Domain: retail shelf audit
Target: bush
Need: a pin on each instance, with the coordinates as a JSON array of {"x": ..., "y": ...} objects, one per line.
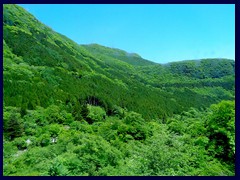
[
  {"x": 20, "y": 143},
  {"x": 96, "y": 114},
  {"x": 44, "y": 140}
]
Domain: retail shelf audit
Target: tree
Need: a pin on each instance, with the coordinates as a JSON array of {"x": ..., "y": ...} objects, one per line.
[
  {"x": 221, "y": 131},
  {"x": 96, "y": 114},
  {"x": 13, "y": 126},
  {"x": 84, "y": 111}
]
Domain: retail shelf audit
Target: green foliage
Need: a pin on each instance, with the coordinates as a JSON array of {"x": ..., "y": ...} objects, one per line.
[
  {"x": 134, "y": 119},
  {"x": 12, "y": 123},
  {"x": 90, "y": 110},
  {"x": 128, "y": 146},
  {"x": 96, "y": 114},
  {"x": 119, "y": 55},
  {"x": 221, "y": 130},
  {"x": 206, "y": 68},
  {"x": 44, "y": 139},
  {"x": 9, "y": 149},
  {"x": 57, "y": 169},
  {"x": 84, "y": 111},
  {"x": 20, "y": 143}
]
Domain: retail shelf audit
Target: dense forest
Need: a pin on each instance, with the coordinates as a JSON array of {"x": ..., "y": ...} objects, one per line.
[{"x": 91, "y": 110}]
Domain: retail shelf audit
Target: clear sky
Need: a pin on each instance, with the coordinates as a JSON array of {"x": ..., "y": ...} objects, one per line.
[{"x": 160, "y": 33}]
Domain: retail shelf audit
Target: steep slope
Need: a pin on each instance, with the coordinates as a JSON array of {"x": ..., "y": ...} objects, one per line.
[{"x": 42, "y": 67}]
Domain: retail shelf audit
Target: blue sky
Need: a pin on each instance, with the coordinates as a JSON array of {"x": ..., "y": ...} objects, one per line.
[{"x": 160, "y": 33}]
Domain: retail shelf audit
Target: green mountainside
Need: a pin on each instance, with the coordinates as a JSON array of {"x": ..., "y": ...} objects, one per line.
[
  {"x": 113, "y": 54},
  {"x": 73, "y": 109}
]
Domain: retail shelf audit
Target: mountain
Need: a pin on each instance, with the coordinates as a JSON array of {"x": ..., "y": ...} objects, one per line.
[
  {"x": 51, "y": 81},
  {"x": 55, "y": 66},
  {"x": 114, "y": 54}
]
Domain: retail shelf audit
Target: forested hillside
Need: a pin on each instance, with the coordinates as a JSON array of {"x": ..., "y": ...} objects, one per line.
[{"x": 71, "y": 109}]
